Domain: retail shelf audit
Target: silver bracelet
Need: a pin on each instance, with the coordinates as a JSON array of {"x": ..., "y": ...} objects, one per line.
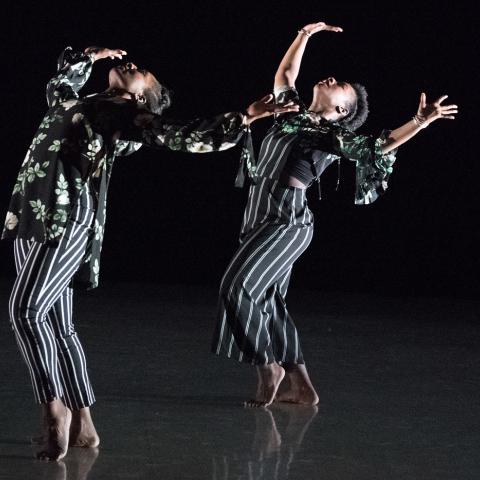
[
  {"x": 308, "y": 34},
  {"x": 421, "y": 122}
]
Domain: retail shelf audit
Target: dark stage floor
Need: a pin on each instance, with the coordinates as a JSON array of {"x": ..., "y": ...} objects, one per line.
[{"x": 399, "y": 381}]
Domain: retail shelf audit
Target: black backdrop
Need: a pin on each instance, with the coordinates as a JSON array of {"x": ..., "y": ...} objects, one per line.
[{"x": 175, "y": 217}]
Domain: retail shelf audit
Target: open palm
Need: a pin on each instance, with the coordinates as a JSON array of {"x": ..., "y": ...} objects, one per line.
[
  {"x": 430, "y": 112},
  {"x": 321, "y": 26}
]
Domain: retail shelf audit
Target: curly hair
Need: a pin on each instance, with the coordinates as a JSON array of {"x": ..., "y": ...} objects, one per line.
[
  {"x": 358, "y": 110},
  {"x": 158, "y": 98}
]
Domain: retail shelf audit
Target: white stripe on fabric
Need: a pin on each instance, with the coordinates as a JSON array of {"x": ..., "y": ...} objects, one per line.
[
  {"x": 246, "y": 330},
  {"x": 253, "y": 203},
  {"x": 264, "y": 149},
  {"x": 19, "y": 326},
  {"x": 45, "y": 337},
  {"x": 56, "y": 285},
  {"x": 283, "y": 142},
  {"x": 280, "y": 206},
  {"x": 222, "y": 329},
  {"x": 262, "y": 325},
  {"x": 18, "y": 247},
  {"x": 285, "y": 339},
  {"x": 260, "y": 197},
  {"x": 74, "y": 384},
  {"x": 283, "y": 261},
  {"x": 267, "y": 212},
  {"x": 245, "y": 218},
  {"x": 278, "y": 258},
  {"x": 255, "y": 266}
]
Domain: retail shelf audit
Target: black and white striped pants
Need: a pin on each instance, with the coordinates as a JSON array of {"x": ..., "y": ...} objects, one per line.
[
  {"x": 253, "y": 324},
  {"x": 41, "y": 311}
]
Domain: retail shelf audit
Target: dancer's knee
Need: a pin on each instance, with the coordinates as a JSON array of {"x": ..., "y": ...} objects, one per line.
[
  {"x": 23, "y": 313},
  {"x": 240, "y": 288}
]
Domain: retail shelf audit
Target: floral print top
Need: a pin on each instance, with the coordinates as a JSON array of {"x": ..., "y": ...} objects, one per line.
[
  {"x": 76, "y": 144},
  {"x": 304, "y": 135}
]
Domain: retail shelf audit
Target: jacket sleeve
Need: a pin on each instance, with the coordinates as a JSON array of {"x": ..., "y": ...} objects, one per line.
[
  {"x": 373, "y": 167},
  {"x": 137, "y": 127},
  {"x": 73, "y": 70},
  {"x": 200, "y": 135}
]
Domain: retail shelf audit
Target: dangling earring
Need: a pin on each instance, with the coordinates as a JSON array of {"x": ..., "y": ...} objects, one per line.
[{"x": 140, "y": 98}]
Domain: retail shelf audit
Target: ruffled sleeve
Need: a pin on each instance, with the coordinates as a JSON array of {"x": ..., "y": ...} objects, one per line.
[
  {"x": 73, "y": 70},
  {"x": 373, "y": 168}
]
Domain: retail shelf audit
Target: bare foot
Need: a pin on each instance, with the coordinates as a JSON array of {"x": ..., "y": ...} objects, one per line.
[
  {"x": 82, "y": 430},
  {"x": 58, "y": 419},
  {"x": 301, "y": 390},
  {"x": 269, "y": 379}
]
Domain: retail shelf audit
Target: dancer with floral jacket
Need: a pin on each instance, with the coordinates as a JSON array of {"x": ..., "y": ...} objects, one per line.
[{"x": 57, "y": 214}]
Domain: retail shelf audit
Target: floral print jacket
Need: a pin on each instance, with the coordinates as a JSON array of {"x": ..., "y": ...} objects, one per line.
[
  {"x": 77, "y": 142},
  {"x": 303, "y": 135}
]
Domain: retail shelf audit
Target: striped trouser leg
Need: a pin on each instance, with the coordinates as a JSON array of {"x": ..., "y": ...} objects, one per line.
[
  {"x": 282, "y": 330},
  {"x": 250, "y": 290},
  {"x": 76, "y": 384},
  {"x": 40, "y": 314}
]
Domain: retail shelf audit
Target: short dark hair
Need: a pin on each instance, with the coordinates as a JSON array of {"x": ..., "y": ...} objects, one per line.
[
  {"x": 158, "y": 97},
  {"x": 358, "y": 109}
]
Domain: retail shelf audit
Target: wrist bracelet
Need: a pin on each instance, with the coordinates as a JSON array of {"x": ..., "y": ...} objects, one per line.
[
  {"x": 308, "y": 34},
  {"x": 421, "y": 122}
]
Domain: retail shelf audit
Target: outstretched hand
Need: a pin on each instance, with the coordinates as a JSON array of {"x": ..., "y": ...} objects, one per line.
[
  {"x": 266, "y": 107},
  {"x": 429, "y": 112},
  {"x": 100, "y": 53},
  {"x": 319, "y": 27}
]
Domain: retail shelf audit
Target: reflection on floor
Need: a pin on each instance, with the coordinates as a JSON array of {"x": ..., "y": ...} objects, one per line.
[{"x": 398, "y": 379}]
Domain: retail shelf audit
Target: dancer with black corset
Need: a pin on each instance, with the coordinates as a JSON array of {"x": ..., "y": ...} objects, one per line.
[{"x": 254, "y": 325}]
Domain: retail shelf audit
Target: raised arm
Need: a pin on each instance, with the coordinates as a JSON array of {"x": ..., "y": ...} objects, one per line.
[
  {"x": 289, "y": 67},
  {"x": 73, "y": 71}
]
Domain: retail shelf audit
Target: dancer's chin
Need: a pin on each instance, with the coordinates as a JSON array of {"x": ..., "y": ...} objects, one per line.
[{"x": 115, "y": 78}]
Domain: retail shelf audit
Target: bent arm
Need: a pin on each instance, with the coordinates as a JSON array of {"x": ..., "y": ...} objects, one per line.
[
  {"x": 289, "y": 67},
  {"x": 73, "y": 71}
]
